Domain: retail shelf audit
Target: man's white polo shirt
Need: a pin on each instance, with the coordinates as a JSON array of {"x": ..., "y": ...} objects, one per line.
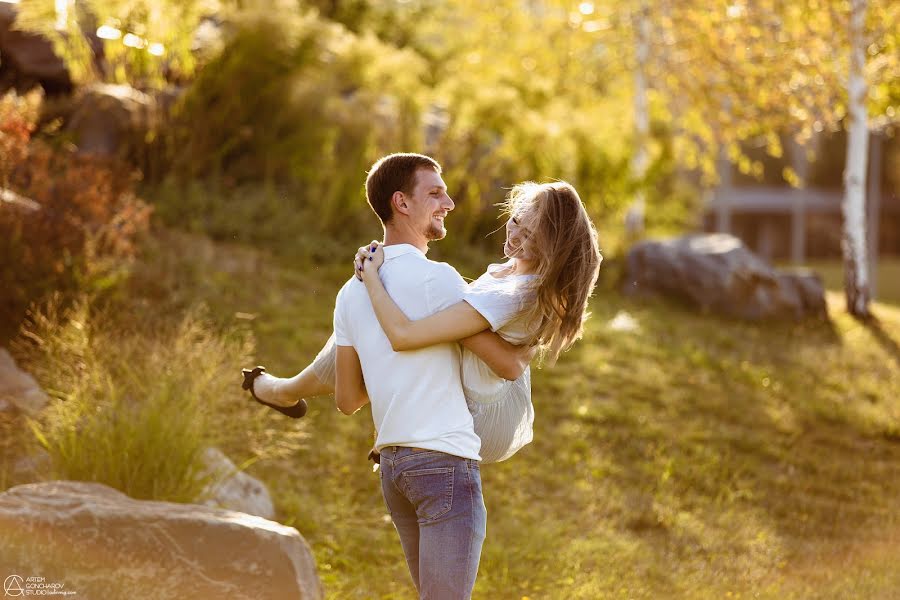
[{"x": 417, "y": 397}]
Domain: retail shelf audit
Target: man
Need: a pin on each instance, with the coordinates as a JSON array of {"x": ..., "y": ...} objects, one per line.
[{"x": 429, "y": 452}]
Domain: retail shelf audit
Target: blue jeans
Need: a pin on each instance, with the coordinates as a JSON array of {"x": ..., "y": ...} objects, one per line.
[{"x": 436, "y": 504}]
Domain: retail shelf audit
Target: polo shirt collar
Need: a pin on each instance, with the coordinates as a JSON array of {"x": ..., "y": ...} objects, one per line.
[{"x": 395, "y": 250}]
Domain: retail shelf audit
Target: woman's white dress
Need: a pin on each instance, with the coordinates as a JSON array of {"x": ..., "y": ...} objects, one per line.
[{"x": 501, "y": 409}]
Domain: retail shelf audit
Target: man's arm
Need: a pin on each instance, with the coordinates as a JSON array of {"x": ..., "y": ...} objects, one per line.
[
  {"x": 506, "y": 360},
  {"x": 349, "y": 387}
]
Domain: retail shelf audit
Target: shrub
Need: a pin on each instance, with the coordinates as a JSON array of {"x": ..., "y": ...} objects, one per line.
[
  {"x": 300, "y": 103},
  {"x": 136, "y": 401},
  {"x": 258, "y": 215},
  {"x": 84, "y": 232},
  {"x": 299, "y": 107}
]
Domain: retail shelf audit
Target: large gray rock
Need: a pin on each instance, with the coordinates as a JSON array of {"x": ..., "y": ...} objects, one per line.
[
  {"x": 18, "y": 388},
  {"x": 101, "y": 544},
  {"x": 718, "y": 273},
  {"x": 27, "y": 59},
  {"x": 808, "y": 287},
  {"x": 233, "y": 489},
  {"x": 111, "y": 120}
]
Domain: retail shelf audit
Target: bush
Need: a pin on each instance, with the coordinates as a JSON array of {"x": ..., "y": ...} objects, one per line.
[
  {"x": 137, "y": 401},
  {"x": 300, "y": 104},
  {"x": 278, "y": 131},
  {"x": 259, "y": 215},
  {"x": 495, "y": 137},
  {"x": 84, "y": 232}
]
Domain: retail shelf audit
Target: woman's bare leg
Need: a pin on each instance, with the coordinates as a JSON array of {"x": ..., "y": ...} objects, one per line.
[{"x": 317, "y": 379}]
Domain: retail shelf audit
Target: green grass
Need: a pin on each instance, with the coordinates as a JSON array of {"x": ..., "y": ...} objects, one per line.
[
  {"x": 888, "y": 280},
  {"x": 694, "y": 458},
  {"x": 137, "y": 398}
]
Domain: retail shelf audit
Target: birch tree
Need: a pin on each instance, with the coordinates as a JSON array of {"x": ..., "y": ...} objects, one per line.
[
  {"x": 854, "y": 204},
  {"x": 634, "y": 219},
  {"x": 800, "y": 68}
]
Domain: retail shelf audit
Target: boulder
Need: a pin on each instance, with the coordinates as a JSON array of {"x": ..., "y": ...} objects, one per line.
[
  {"x": 718, "y": 273},
  {"x": 809, "y": 288},
  {"x": 100, "y": 544},
  {"x": 18, "y": 388},
  {"x": 111, "y": 120},
  {"x": 27, "y": 59},
  {"x": 233, "y": 489}
]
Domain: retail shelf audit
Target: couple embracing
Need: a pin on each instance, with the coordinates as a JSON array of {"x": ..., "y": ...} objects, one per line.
[{"x": 444, "y": 363}]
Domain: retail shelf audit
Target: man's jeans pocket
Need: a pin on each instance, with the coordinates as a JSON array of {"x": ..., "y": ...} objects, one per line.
[{"x": 430, "y": 491}]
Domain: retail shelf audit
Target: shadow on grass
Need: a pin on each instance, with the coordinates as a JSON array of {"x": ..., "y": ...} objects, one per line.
[
  {"x": 714, "y": 444},
  {"x": 887, "y": 343}
]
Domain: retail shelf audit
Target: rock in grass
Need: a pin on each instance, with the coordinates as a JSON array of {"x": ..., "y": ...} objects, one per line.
[
  {"x": 29, "y": 59},
  {"x": 234, "y": 489},
  {"x": 102, "y": 544},
  {"x": 18, "y": 388},
  {"x": 719, "y": 274},
  {"x": 111, "y": 120}
]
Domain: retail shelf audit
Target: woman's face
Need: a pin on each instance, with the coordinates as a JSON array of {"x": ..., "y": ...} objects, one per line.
[{"x": 519, "y": 228}]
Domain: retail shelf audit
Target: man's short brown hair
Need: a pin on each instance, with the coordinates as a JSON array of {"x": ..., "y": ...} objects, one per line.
[{"x": 392, "y": 173}]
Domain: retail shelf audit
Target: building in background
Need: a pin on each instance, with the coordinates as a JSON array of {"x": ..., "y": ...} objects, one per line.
[{"x": 780, "y": 222}]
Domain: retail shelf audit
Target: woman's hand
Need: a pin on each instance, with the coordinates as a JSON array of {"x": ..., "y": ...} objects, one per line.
[{"x": 368, "y": 260}]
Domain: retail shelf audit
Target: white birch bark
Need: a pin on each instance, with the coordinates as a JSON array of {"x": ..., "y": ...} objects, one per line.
[
  {"x": 856, "y": 276},
  {"x": 634, "y": 219}
]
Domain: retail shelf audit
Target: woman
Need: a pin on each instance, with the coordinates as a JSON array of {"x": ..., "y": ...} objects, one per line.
[{"x": 537, "y": 298}]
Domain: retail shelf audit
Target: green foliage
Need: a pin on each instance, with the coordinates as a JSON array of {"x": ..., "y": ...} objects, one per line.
[
  {"x": 160, "y": 43},
  {"x": 137, "y": 400},
  {"x": 267, "y": 217},
  {"x": 307, "y": 94},
  {"x": 746, "y": 72},
  {"x": 298, "y": 101},
  {"x": 352, "y": 14},
  {"x": 307, "y": 106},
  {"x": 305, "y": 100}
]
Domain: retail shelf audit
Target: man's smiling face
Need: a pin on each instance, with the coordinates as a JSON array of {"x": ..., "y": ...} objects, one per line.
[{"x": 429, "y": 204}]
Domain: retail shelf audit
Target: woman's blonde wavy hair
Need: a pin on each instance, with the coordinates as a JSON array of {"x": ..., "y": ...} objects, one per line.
[{"x": 563, "y": 242}]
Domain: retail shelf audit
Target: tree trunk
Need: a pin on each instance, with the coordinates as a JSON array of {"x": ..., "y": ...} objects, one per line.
[
  {"x": 800, "y": 164},
  {"x": 856, "y": 275},
  {"x": 873, "y": 208},
  {"x": 634, "y": 219}
]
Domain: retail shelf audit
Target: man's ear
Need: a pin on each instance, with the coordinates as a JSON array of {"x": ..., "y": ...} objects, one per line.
[{"x": 398, "y": 202}]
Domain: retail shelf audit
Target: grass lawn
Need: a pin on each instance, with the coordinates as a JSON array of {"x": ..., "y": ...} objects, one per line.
[
  {"x": 888, "y": 282},
  {"x": 692, "y": 457}
]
